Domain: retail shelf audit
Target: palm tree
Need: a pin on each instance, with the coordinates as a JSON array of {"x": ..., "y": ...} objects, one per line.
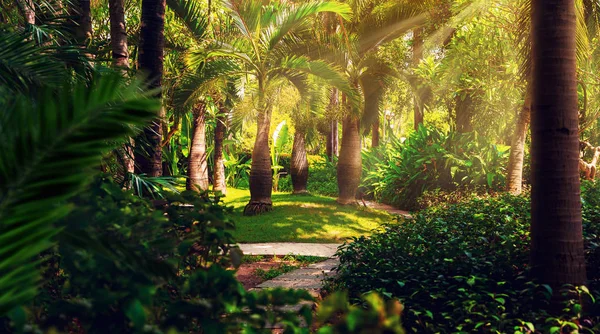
[
  {"x": 27, "y": 9},
  {"x": 353, "y": 46},
  {"x": 219, "y": 184},
  {"x": 264, "y": 50},
  {"x": 197, "y": 166},
  {"x": 150, "y": 61},
  {"x": 557, "y": 255},
  {"x": 118, "y": 34}
]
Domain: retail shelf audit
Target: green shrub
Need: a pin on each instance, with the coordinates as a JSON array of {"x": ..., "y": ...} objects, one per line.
[
  {"x": 123, "y": 266},
  {"x": 431, "y": 159},
  {"x": 464, "y": 268},
  {"x": 322, "y": 177}
]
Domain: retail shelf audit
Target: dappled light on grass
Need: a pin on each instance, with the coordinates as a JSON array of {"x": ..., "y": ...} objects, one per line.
[{"x": 305, "y": 218}]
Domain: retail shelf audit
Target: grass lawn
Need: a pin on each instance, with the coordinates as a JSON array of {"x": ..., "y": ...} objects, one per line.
[{"x": 302, "y": 218}]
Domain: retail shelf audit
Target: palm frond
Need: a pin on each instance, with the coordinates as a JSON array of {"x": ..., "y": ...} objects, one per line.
[
  {"x": 190, "y": 13},
  {"x": 330, "y": 74},
  {"x": 50, "y": 148},
  {"x": 295, "y": 17}
]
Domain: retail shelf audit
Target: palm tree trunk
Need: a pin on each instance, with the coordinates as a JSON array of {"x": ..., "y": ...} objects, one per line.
[
  {"x": 219, "y": 170},
  {"x": 261, "y": 176},
  {"x": 375, "y": 133},
  {"x": 332, "y": 134},
  {"x": 417, "y": 56},
  {"x": 517, "y": 149},
  {"x": 299, "y": 163},
  {"x": 350, "y": 161},
  {"x": 27, "y": 9},
  {"x": 464, "y": 113},
  {"x": 150, "y": 61},
  {"x": 557, "y": 255},
  {"x": 83, "y": 18},
  {"x": 118, "y": 34},
  {"x": 197, "y": 165}
]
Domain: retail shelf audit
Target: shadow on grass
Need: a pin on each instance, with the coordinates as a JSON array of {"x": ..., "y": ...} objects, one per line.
[{"x": 305, "y": 218}]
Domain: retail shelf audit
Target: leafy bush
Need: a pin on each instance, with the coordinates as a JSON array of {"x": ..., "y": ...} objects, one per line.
[
  {"x": 123, "y": 266},
  {"x": 464, "y": 267},
  {"x": 431, "y": 159}
]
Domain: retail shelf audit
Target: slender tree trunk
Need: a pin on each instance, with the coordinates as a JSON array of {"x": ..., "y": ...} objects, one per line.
[
  {"x": 517, "y": 149},
  {"x": 82, "y": 13},
  {"x": 219, "y": 172},
  {"x": 120, "y": 55},
  {"x": 349, "y": 166},
  {"x": 118, "y": 34},
  {"x": 197, "y": 165},
  {"x": 464, "y": 113},
  {"x": 150, "y": 61},
  {"x": 27, "y": 9},
  {"x": 417, "y": 56},
  {"x": 375, "y": 133},
  {"x": 557, "y": 255},
  {"x": 261, "y": 175},
  {"x": 299, "y": 163},
  {"x": 332, "y": 134}
]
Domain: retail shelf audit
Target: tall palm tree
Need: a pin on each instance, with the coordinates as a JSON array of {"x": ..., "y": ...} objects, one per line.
[
  {"x": 353, "y": 46},
  {"x": 265, "y": 52},
  {"x": 27, "y": 9},
  {"x": 150, "y": 61},
  {"x": 219, "y": 184},
  {"x": 557, "y": 255},
  {"x": 118, "y": 34},
  {"x": 198, "y": 166}
]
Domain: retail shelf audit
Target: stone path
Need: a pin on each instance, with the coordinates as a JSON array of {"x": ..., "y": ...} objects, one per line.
[{"x": 294, "y": 248}]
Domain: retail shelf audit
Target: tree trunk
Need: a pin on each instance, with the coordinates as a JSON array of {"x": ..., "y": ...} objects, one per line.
[
  {"x": 118, "y": 34},
  {"x": 261, "y": 175},
  {"x": 375, "y": 133},
  {"x": 27, "y": 9},
  {"x": 517, "y": 148},
  {"x": 332, "y": 134},
  {"x": 150, "y": 61},
  {"x": 557, "y": 255},
  {"x": 83, "y": 18},
  {"x": 197, "y": 165},
  {"x": 299, "y": 163},
  {"x": 219, "y": 172},
  {"x": 417, "y": 56},
  {"x": 349, "y": 166},
  {"x": 464, "y": 113}
]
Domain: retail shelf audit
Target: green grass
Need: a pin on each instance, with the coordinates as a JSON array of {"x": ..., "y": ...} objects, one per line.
[{"x": 302, "y": 218}]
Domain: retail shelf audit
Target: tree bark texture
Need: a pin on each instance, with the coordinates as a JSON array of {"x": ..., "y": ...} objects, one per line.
[
  {"x": 375, "y": 133},
  {"x": 557, "y": 255},
  {"x": 299, "y": 163},
  {"x": 514, "y": 177},
  {"x": 464, "y": 113},
  {"x": 261, "y": 175},
  {"x": 27, "y": 9},
  {"x": 417, "y": 56},
  {"x": 118, "y": 34},
  {"x": 349, "y": 166},
  {"x": 197, "y": 165},
  {"x": 219, "y": 169},
  {"x": 332, "y": 140},
  {"x": 150, "y": 61},
  {"x": 82, "y": 13}
]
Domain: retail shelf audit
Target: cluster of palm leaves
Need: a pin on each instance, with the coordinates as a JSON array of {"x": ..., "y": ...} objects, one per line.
[{"x": 57, "y": 124}]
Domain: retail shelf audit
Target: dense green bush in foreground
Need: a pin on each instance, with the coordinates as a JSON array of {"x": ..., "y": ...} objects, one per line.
[
  {"x": 464, "y": 268},
  {"x": 123, "y": 266}
]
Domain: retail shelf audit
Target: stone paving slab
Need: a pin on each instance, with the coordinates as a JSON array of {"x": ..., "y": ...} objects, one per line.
[
  {"x": 285, "y": 248},
  {"x": 309, "y": 278}
]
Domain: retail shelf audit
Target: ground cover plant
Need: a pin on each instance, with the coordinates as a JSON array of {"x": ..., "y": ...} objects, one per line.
[
  {"x": 303, "y": 218},
  {"x": 465, "y": 268}
]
